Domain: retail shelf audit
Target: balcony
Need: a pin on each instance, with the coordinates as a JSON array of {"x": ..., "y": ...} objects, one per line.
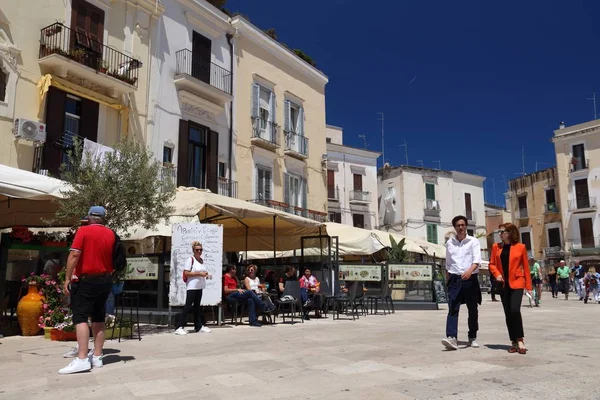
[
  {"x": 225, "y": 187},
  {"x": 302, "y": 212},
  {"x": 202, "y": 78},
  {"x": 296, "y": 145},
  {"x": 359, "y": 196},
  {"x": 551, "y": 208},
  {"x": 333, "y": 193},
  {"x": 265, "y": 133},
  {"x": 554, "y": 252},
  {"x": 582, "y": 204},
  {"x": 522, "y": 213},
  {"x": 587, "y": 246},
  {"x": 65, "y": 52},
  {"x": 579, "y": 164},
  {"x": 168, "y": 176},
  {"x": 471, "y": 216},
  {"x": 432, "y": 208}
]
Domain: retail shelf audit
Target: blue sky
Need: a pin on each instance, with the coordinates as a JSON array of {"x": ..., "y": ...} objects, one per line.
[{"x": 468, "y": 83}]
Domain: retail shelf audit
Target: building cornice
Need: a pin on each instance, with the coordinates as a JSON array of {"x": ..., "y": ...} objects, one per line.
[
  {"x": 201, "y": 12},
  {"x": 152, "y": 7},
  {"x": 340, "y": 148},
  {"x": 246, "y": 29},
  {"x": 584, "y": 131}
]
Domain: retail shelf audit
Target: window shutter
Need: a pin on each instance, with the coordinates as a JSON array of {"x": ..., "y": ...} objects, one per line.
[
  {"x": 430, "y": 191},
  {"x": 182, "y": 154},
  {"x": 267, "y": 175},
  {"x": 88, "y": 128},
  {"x": 255, "y": 100},
  {"x": 303, "y": 191},
  {"x": 286, "y": 188},
  {"x": 287, "y": 115},
  {"x": 212, "y": 162},
  {"x": 3, "y": 82},
  {"x": 272, "y": 107},
  {"x": 259, "y": 184},
  {"x": 55, "y": 122},
  {"x": 300, "y": 127}
]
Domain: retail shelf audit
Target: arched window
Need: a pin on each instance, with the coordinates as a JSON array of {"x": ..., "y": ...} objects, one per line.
[{"x": 3, "y": 83}]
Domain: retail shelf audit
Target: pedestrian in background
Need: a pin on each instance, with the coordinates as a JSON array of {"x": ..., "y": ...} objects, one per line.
[
  {"x": 564, "y": 276},
  {"x": 578, "y": 274},
  {"x": 552, "y": 282},
  {"x": 463, "y": 256},
  {"x": 509, "y": 265}
]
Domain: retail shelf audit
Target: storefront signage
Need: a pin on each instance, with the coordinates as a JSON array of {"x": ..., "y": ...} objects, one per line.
[
  {"x": 144, "y": 268},
  {"x": 408, "y": 272},
  {"x": 356, "y": 272}
]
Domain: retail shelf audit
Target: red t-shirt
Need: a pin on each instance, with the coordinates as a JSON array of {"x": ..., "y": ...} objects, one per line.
[
  {"x": 229, "y": 282},
  {"x": 95, "y": 242}
]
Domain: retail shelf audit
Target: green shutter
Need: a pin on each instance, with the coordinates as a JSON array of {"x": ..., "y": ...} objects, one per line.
[
  {"x": 430, "y": 191},
  {"x": 432, "y": 233}
]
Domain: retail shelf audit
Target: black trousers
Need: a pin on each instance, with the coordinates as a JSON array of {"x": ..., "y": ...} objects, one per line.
[
  {"x": 511, "y": 300},
  {"x": 192, "y": 302}
]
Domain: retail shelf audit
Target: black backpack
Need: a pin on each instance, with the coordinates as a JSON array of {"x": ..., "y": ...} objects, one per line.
[{"x": 119, "y": 256}]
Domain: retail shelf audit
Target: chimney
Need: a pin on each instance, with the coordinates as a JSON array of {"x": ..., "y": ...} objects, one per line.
[{"x": 561, "y": 125}]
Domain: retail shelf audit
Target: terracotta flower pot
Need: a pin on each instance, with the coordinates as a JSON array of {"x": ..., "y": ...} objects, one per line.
[{"x": 29, "y": 311}]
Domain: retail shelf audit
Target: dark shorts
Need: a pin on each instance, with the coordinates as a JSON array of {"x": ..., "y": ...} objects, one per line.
[
  {"x": 536, "y": 281},
  {"x": 88, "y": 299}
]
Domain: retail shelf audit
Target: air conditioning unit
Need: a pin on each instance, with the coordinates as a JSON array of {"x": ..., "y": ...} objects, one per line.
[{"x": 29, "y": 130}]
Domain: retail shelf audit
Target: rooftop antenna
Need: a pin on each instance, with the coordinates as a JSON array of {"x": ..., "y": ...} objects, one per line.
[
  {"x": 505, "y": 183},
  {"x": 381, "y": 118},
  {"x": 439, "y": 164},
  {"x": 494, "y": 189},
  {"x": 364, "y": 138},
  {"x": 593, "y": 98},
  {"x": 420, "y": 162},
  {"x": 523, "y": 158},
  {"x": 405, "y": 150}
]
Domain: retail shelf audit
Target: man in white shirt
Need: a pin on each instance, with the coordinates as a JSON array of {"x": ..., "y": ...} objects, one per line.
[{"x": 463, "y": 256}]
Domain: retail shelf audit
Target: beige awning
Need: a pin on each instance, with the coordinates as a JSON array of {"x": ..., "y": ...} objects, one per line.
[{"x": 245, "y": 225}]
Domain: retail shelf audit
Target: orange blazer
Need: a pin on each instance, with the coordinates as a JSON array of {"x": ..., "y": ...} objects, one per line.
[{"x": 519, "y": 276}]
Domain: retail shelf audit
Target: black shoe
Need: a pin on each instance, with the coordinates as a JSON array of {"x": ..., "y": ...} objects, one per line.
[
  {"x": 256, "y": 324},
  {"x": 306, "y": 317}
]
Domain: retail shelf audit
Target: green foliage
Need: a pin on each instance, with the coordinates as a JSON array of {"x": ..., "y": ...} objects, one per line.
[
  {"x": 218, "y": 3},
  {"x": 120, "y": 276},
  {"x": 397, "y": 253},
  {"x": 127, "y": 182},
  {"x": 305, "y": 57},
  {"x": 272, "y": 33}
]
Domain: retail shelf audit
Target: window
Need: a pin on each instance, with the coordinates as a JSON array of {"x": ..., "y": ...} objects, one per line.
[
  {"x": 87, "y": 23},
  {"x": 3, "y": 83},
  {"x": 429, "y": 191},
  {"x": 526, "y": 240},
  {"x": 72, "y": 123},
  {"x": 263, "y": 184},
  {"x": 201, "y": 56},
  {"x": 357, "y": 180},
  {"x": 221, "y": 170},
  {"x": 294, "y": 191},
  {"x": 468, "y": 207},
  {"x": 470, "y": 232},
  {"x": 167, "y": 154},
  {"x": 586, "y": 232},
  {"x": 432, "y": 235},
  {"x": 579, "y": 161},
  {"x": 358, "y": 220},
  {"x": 328, "y": 140},
  {"x": 582, "y": 195},
  {"x": 335, "y": 217},
  {"x": 554, "y": 237},
  {"x": 294, "y": 118},
  {"x": 551, "y": 205},
  {"x": 197, "y": 156},
  {"x": 263, "y": 106},
  {"x": 331, "y": 193},
  {"x": 522, "y": 201}
]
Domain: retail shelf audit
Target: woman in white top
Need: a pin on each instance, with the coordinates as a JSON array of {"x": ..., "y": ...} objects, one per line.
[
  {"x": 196, "y": 274},
  {"x": 252, "y": 282}
]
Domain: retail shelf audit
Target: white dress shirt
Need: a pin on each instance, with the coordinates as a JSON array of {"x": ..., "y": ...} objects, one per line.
[{"x": 460, "y": 255}]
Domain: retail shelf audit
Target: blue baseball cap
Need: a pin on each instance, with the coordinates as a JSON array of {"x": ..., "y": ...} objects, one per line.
[{"x": 97, "y": 211}]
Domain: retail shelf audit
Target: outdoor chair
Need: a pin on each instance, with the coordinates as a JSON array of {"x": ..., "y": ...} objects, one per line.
[
  {"x": 349, "y": 303},
  {"x": 385, "y": 298},
  {"x": 325, "y": 290},
  {"x": 236, "y": 309},
  {"x": 295, "y": 305}
]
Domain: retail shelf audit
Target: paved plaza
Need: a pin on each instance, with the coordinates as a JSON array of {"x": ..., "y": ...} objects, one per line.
[{"x": 377, "y": 357}]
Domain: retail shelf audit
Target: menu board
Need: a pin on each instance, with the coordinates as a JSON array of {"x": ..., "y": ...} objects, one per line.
[
  {"x": 410, "y": 272},
  {"x": 143, "y": 268},
  {"x": 211, "y": 237},
  {"x": 358, "y": 272}
]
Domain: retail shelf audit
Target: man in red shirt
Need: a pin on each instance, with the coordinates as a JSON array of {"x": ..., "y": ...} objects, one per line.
[
  {"x": 232, "y": 294},
  {"x": 90, "y": 259}
]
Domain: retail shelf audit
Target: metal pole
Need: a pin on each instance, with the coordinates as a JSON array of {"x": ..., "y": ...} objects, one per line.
[
  {"x": 274, "y": 242},
  {"x": 382, "y": 139}
]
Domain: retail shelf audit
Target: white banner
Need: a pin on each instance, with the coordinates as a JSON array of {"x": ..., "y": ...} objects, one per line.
[
  {"x": 408, "y": 272},
  {"x": 358, "y": 272},
  {"x": 211, "y": 237}
]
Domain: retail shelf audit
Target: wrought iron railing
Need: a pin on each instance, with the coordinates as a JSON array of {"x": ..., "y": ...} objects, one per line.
[
  {"x": 551, "y": 208},
  {"x": 582, "y": 202},
  {"x": 296, "y": 143},
  {"x": 285, "y": 207},
  {"x": 433, "y": 205},
  {"x": 578, "y": 164},
  {"x": 80, "y": 47},
  {"x": 265, "y": 130},
  {"x": 225, "y": 187},
  {"x": 360, "y": 195},
  {"x": 168, "y": 176},
  {"x": 553, "y": 251},
  {"x": 522, "y": 213},
  {"x": 203, "y": 70},
  {"x": 586, "y": 242}
]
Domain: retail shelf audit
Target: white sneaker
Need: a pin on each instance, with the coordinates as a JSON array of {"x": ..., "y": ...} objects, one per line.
[
  {"x": 180, "y": 331},
  {"x": 473, "y": 343},
  {"x": 450, "y": 343},
  {"x": 71, "y": 353},
  {"x": 77, "y": 365},
  {"x": 96, "y": 361},
  {"x": 205, "y": 329}
]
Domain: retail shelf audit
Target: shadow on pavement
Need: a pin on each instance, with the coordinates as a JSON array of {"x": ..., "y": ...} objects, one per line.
[
  {"x": 503, "y": 347},
  {"x": 113, "y": 359}
]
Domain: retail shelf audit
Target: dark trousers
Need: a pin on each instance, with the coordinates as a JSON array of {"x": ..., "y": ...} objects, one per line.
[
  {"x": 252, "y": 301},
  {"x": 192, "y": 302},
  {"x": 554, "y": 289},
  {"x": 511, "y": 301},
  {"x": 493, "y": 287},
  {"x": 461, "y": 292}
]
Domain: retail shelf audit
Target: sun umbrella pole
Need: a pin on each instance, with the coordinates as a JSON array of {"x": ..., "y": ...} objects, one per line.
[{"x": 274, "y": 242}]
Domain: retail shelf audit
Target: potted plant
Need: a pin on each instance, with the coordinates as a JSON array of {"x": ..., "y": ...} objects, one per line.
[
  {"x": 29, "y": 308},
  {"x": 102, "y": 65},
  {"x": 64, "y": 331},
  {"x": 114, "y": 329}
]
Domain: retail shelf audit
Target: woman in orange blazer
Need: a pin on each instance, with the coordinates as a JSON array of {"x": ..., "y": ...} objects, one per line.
[{"x": 509, "y": 265}]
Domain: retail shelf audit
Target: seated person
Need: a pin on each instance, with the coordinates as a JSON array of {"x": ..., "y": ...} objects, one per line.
[
  {"x": 309, "y": 285},
  {"x": 252, "y": 282},
  {"x": 232, "y": 294},
  {"x": 271, "y": 280},
  {"x": 290, "y": 275}
]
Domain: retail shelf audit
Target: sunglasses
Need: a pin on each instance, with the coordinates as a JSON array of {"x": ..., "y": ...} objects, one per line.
[
  {"x": 502, "y": 231},
  {"x": 197, "y": 249}
]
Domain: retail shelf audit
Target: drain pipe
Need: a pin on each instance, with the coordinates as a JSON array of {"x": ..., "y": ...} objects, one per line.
[{"x": 230, "y": 41}]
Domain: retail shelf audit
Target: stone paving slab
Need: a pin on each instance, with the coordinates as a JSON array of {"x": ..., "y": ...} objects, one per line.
[{"x": 397, "y": 356}]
